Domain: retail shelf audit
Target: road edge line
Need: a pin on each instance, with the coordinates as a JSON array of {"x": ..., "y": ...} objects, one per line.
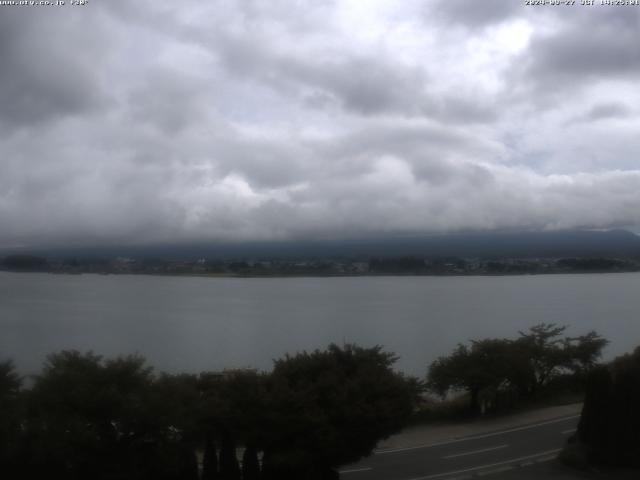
[{"x": 474, "y": 437}]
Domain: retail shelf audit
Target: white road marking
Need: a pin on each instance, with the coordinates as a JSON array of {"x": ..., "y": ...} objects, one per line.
[
  {"x": 489, "y": 449},
  {"x": 482, "y": 467},
  {"x": 505, "y": 468},
  {"x": 475, "y": 437},
  {"x": 567, "y": 432},
  {"x": 354, "y": 470}
]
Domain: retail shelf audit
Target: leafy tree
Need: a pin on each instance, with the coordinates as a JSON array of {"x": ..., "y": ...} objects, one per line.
[
  {"x": 484, "y": 365},
  {"x": 10, "y": 382},
  {"x": 609, "y": 427},
  {"x": 176, "y": 405},
  {"x": 520, "y": 367},
  {"x": 547, "y": 357},
  {"x": 234, "y": 410},
  {"x": 10, "y": 415},
  {"x": 65, "y": 421},
  {"x": 551, "y": 355},
  {"x": 234, "y": 404},
  {"x": 90, "y": 418},
  {"x": 583, "y": 352},
  {"x": 174, "y": 409},
  {"x": 329, "y": 408}
]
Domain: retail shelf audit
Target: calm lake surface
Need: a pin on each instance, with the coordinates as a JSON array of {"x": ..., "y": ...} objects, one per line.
[{"x": 194, "y": 324}]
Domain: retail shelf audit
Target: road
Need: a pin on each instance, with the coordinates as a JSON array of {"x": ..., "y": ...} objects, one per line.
[{"x": 461, "y": 458}]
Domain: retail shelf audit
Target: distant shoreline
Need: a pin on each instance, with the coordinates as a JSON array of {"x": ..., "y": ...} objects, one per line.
[
  {"x": 328, "y": 275},
  {"x": 324, "y": 267}
]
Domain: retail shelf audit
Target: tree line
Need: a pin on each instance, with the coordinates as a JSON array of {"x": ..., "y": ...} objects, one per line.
[
  {"x": 498, "y": 373},
  {"x": 85, "y": 416}
]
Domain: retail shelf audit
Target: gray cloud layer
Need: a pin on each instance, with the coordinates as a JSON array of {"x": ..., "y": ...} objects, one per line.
[{"x": 133, "y": 122}]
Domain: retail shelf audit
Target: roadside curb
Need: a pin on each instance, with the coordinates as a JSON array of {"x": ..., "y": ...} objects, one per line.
[{"x": 430, "y": 435}]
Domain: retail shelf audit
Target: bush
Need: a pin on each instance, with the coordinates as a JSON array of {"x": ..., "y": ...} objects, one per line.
[
  {"x": 87, "y": 417},
  {"x": 609, "y": 427}
]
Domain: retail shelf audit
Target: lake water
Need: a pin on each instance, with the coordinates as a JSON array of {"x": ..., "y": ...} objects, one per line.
[{"x": 194, "y": 324}]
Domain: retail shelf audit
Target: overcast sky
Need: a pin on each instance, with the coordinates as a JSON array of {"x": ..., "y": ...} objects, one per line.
[{"x": 145, "y": 121}]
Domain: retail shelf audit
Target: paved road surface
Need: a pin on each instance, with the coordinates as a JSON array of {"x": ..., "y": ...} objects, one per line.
[{"x": 486, "y": 453}]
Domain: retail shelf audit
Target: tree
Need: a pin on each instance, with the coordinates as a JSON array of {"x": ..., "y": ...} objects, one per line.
[
  {"x": 89, "y": 417},
  {"x": 550, "y": 355},
  {"x": 583, "y": 352},
  {"x": 210, "y": 459},
  {"x": 173, "y": 412},
  {"x": 229, "y": 467},
  {"x": 10, "y": 382},
  {"x": 609, "y": 428},
  {"x": 92, "y": 418},
  {"x": 328, "y": 408},
  {"x": 544, "y": 347},
  {"x": 175, "y": 402},
  {"x": 10, "y": 416},
  {"x": 66, "y": 422},
  {"x": 234, "y": 403},
  {"x": 233, "y": 411},
  {"x": 485, "y": 365},
  {"x": 519, "y": 368}
]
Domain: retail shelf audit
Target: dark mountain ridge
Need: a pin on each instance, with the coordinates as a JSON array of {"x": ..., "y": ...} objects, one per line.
[{"x": 566, "y": 243}]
